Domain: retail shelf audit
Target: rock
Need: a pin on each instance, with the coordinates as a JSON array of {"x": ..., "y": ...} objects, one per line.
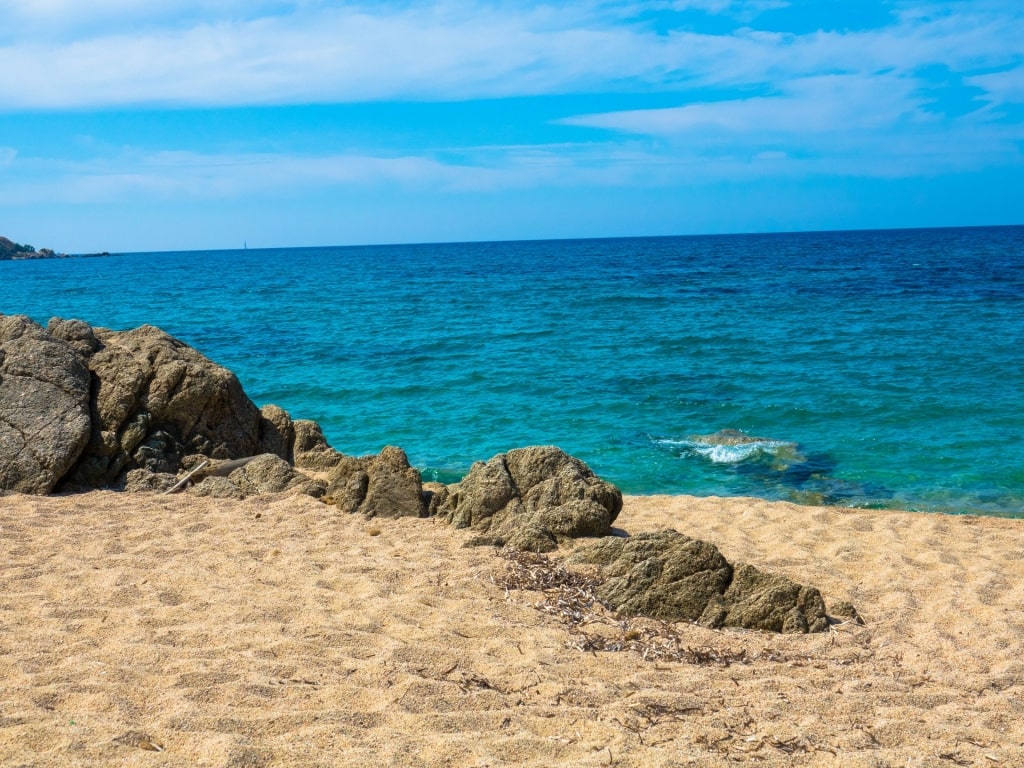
[
  {"x": 733, "y": 437},
  {"x": 845, "y": 612},
  {"x": 395, "y": 489},
  {"x": 77, "y": 334},
  {"x": 310, "y": 448},
  {"x": 531, "y": 498},
  {"x": 663, "y": 575},
  {"x": 277, "y": 433},
  {"x": 144, "y": 481},
  {"x": 156, "y": 400},
  {"x": 84, "y": 407},
  {"x": 217, "y": 487},
  {"x": 44, "y": 406},
  {"x": 434, "y": 496},
  {"x": 758, "y": 600},
  {"x": 384, "y": 485},
  {"x": 272, "y": 474},
  {"x": 669, "y": 576}
]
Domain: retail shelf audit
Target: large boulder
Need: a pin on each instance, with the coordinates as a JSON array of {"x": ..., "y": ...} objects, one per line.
[
  {"x": 384, "y": 485},
  {"x": 44, "y": 406},
  {"x": 157, "y": 400},
  {"x": 84, "y": 407},
  {"x": 531, "y": 498},
  {"x": 669, "y": 576}
]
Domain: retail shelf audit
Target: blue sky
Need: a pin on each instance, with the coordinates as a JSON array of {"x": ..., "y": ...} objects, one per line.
[{"x": 180, "y": 124}]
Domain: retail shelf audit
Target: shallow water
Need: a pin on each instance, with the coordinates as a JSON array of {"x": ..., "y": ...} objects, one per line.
[{"x": 880, "y": 368}]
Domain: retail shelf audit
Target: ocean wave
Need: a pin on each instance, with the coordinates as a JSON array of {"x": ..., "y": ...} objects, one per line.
[{"x": 731, "y": 447}]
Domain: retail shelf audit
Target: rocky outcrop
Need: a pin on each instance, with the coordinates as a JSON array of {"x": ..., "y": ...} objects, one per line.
[
  {"x": 44, "y": 407},
  {"x": 84, "y": 407},
  {"x": 530, "y": 499},
  {"x": 157, "y": 400},
  {"x": 669, "y": 576},
  {"x": 384, "y": 485},
  {"x": 12, "y": 250},
  {"x": 310, "y": 447}
]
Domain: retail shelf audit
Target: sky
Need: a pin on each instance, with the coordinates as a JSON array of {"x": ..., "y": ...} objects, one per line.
[{"x": 182, "y": 124}]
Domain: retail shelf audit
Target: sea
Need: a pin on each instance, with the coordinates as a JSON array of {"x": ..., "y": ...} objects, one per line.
[{"x": 875, "y": 369}]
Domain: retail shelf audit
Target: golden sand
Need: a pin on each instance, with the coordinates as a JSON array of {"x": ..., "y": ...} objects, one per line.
[{"x": 144, "y": 630}]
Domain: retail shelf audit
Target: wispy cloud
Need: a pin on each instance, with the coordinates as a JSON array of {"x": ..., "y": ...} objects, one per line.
[
  {"x": 59, "y": 54},
  {"x": 857, "y": 125},
  {"x": 188, "y": 175}
]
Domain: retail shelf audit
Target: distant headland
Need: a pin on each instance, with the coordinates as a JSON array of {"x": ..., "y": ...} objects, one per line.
[{"x": 11, "y": 251}]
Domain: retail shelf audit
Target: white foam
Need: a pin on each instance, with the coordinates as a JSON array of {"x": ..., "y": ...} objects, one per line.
[{"x": 729, "y": 454}]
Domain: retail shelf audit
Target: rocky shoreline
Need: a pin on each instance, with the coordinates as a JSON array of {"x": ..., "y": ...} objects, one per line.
[{"x": 85, "y": 408}]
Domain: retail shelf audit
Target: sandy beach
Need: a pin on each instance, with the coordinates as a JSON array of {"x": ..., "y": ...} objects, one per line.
[{"x": 147, "y": 630}]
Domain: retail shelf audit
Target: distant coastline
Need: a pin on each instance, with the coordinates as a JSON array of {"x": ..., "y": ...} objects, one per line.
[{"x": 12, "y": 251}]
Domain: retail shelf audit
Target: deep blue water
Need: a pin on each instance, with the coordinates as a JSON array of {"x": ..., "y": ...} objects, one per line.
[{"x": 894, "y": 360}]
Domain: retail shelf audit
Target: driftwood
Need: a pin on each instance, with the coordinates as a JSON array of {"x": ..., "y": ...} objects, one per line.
[{"x": 204, "y": 470}]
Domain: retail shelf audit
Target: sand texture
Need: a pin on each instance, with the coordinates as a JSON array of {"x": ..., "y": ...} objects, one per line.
[{"x": 145, "y": 630}]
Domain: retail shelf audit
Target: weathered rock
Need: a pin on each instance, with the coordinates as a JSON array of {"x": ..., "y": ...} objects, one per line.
[
  {"x": 44, "y": 406},
  {"x": 310, "y": 449},
  {"x": 272, "y": 474},
  {"x": 670, "y": 576},
  {"x": 77, "y": 334},
  {"x": 434, "y": 496},
  {"x": 277, "y": 433},
  {"x": 384, "y": 485},
  {"x": 844, "y": 611},
  {"x": 530, "y": 498},
  {"x": 83, "y": 407},
  {"x": 217, "y": 487},
  {"x": 156, "y": 400},
  {"x": 144, "y": 481}
]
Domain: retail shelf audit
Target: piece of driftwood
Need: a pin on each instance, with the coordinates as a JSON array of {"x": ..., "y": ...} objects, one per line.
[
  {"x": 204, "y": 470},
  {"x": 184, "y": 481}
]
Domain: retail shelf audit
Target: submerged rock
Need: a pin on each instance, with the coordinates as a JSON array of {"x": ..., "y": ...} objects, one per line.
[
  {"x": 669, "y": 576},
  {"x": 531, "y": 498}
]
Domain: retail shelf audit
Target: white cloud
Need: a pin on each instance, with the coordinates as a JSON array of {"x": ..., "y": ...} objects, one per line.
[
  {"x": 812, "y": 105},
  {"x": 856, "y": 125},
  {"x": 57, "y": 54}
]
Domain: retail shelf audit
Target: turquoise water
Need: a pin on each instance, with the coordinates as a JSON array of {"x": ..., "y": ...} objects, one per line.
[{"x": 893, "y": 360}]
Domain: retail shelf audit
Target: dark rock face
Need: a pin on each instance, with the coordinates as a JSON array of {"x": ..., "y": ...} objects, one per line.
[
  {"x": 670, "y": 576},
  {"x": 530, "y": 498},
  {"x": 44, "y": 406},
  {"x": 384, "y": 485}
]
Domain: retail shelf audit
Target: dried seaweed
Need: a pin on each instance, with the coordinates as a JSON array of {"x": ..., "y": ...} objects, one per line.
[{"x": 571, "y": 597}]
